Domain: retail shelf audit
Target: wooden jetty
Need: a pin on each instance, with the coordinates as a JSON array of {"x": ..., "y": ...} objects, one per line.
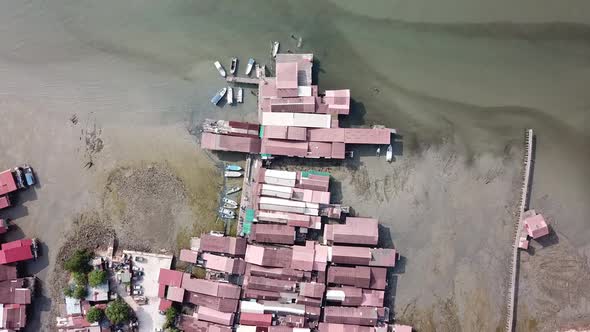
[
  {"x": 243, "y": 80},
  {"x": 512, "y": 287}
]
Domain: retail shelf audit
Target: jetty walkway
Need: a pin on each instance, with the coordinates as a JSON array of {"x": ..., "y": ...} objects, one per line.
[{"x": 513, "y": 283}]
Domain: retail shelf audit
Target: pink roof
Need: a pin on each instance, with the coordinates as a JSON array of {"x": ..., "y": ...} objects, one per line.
[
  {"x": 364, "y": 231},
  {"x": 235, "y": 246},
  {"x": 255, "y": 319},
  {"x": 164, "y": 305},
  {"x": 268, "y": 284},
  {"x": 402, "y": 328},
  {"x": 351, "y": 255},
  {"x": 297, "y": 133},
  {"x": 359, "y": 276},
  {"x": 17, "y": 244},
  {"x": 275, "y": 132},
  {"x": 189, "y": 256},
  {"x": 312, "y": 289},
  {"x": 209, "y": 287},
  {"x": 338, "y": 101},
  {"x": 378, "y": 278},
  {"x": 224, "y": 264},
  {"x": 304, "y": 65},
  {"x": 284, "y": 148},
  {"x": 16, "y": 251},
  {"x": 217, "y": 303},
  {"x": 349, "y": 315},
  {"x": 4, "y": 202},
  {"x": 319, "y": 150},
  {"x": 7, "y": 272},
  {"x": 175, "y": 294},
  {"x": 212, "y": 141},
  {"x": 269, "y": 256},
  {"x": 320, "y": 258},
  {"x": 338, "y": 150},
  {"x": 373, "y": 298},
  {"x": 302, "y": 258},
  {"x": 367, "y": 136},
  {"x": 536, "y": 226},
  {"x": 333, "y": 327},
  {"x": 272, "y": 233},
  {"x": 7, "y": 183},
  {"x": 161, "y": 291},
  {"x": 383, "y": 257},
  {"x": 214, "y": 316},
  {"x": 286, "y": 75},
  {"x": 295, "y": 104},
  {"x": 170, "y": 278}
]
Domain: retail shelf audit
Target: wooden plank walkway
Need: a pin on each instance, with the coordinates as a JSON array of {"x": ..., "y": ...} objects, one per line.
[
  {"x": 242, "y": 80},
  {"x": 512, "y": 286}
]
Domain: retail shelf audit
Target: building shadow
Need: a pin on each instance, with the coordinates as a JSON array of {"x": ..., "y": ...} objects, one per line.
[
  {"x": 41, "y": 303},
  {"x": 230, "y": 157},
  {"x": 550, "y": 239},
  {"x": 29, "y": 194},
  {"x": 397, "y": 143},
  {"x": 316, "y": 69},
  {"x": 14, "y": 232},
  {"x": 336, "y": 195},
  {"x": 16, "y": 211},
  {"x": 356, "y": 116}
]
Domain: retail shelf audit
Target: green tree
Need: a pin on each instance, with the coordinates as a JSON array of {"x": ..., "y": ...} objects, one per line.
[
  {"x": 94, "y": 314},
  {"x": 79, "y": 292},
  {"x": 118, "y": 311},
  {"x": 78, "y": 261},
  {"x": 69, "y": 291},
  {"x": 80, "y": 278},
  {"x": 171, "y": 314},
  {"x": 97, "y": 277}
]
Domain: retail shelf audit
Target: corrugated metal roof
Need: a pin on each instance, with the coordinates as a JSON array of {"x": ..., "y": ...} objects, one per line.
[
  {"x": 189, "y": 256},
  {"x": 256, "y": 319},
  {"x": 175, "y": 294},
  {"x": 170, "y": 278},
  {"x": 326, "y": 134},
  {"x": 367, "y": 136},
  {"x": 286, "y": 75},
  {"x": 284, "y": 148},
  {"x": 273, "y": 233},
  {"x": 214, "y": 316},
  {"x": 235, "y": 246},
  {"x": 309, "y": 120},
  {"x": 349, "y": 315},
  {"x": 7, "y": 183},
  {"x": 213, "y": 302},
  {"x": 364, "y": 231}
]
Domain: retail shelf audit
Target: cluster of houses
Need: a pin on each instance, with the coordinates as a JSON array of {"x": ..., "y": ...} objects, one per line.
[
  {"x": 534, "y": 226},
  {"x": 294, "y": 119},
  {"x": 298, "y": 266}
]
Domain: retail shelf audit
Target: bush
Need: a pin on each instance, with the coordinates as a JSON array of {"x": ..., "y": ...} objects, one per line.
[
  {"x": 78, "y": 262},
  {"x": 199, "y": 272},
  {"x": 118, "y": 311},
  {"x": 80, "y": 278},
  {"x": 171, "y": 314},
  {"x": 97, "y": 277},
  {"x": 94, "y": 314},
  {"x": 79, "y": 292}
]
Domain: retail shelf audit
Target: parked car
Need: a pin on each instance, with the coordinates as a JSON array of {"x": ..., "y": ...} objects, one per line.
[
  {"x": 138, "y": 292},
  {"x": 29, "y": 175},
  {"x": 137, "y": 287},
  {"x": 137, "y": 268},
  {"x": 139, "y": 259}
]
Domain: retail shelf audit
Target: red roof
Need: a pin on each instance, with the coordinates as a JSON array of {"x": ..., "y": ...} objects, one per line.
[
  {"x": 209, "y": 287},
  {"x": 4, "y": 202},
  {"x": 351, "y": 255},
  {"x": 338, "y": 150},
  {"x": 302, "y": 258},
  {"x": 224, "y": 264},
  {"x": 363, "y": 231},
  {"x": 235, "y": 246},
  {"x": 268, "y": 284},
  {"x": 7, "y": 272},
  {"x": 170, "y": 278},
  {"x": 164, "y": 305},
  {"x": 349, "y": 315},
  {"x": 161, "y": 291},
  {"x": 269, "y": 256},
  {"x": 367, "y": 136},
  {"x": 275, "y": 132},
  {"x": 16, "y": 251},
  {"x": 319, "y": 150},
  {"x": 295, "y": 105},
  {"x": 255, "y": 319},
  {"x": 312, "y": 289},
  {"x": 7, "y": 183},
  {"x": 326, "y": 134},
  {"x": 297, "y": 133},
  {"x": 272, "y": 233}
]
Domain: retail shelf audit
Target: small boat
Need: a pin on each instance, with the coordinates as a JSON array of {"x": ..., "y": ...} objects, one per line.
[
  {"x": 230, "y": 202},
  {"x": 299, "y": 42},
  {"x": 240, "y": 98},
  {"x": 275, "y": 48},
  {"x": 257, "y": 71},
  {"x": 250, "y": 66},
  {"x": 229, "y": 206},
  {"x": 227, "y": 216},
  {"x": 233, "y": 190},
  {"x": 389, "y": 155},
  {"x": 261, "y": 71},
  {"x": 220, "y": 69},
  {"x": 232, "y": 174},
  {"x": 226, "y": 212},
  {"x": 233, "y": 168},
  {"x": 215, "y": 100},
  {"x": 234, "y": 66},
  {"x": 230, "y": 95}
]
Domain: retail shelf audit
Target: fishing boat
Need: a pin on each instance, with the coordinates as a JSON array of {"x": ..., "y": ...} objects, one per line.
[
  {"x": 234, "y": 66},
  {"x": 232, "y": 174},
  {"x": 215, "y": 100},
  {"x": 230, "y": 95},
  {"x": 220, "y": 69},
  {"x": 226, "y": 212},
  {"x": 230, "y": 202},
  {"x": 229, "y": 206},
  {"x": 233, "y": 168},
  {"x": 275, "y": 48},
  {"x": 233, "y": 190},
  {"x": 257, "y": 71},
  {"x": 240, "y": 95},
  {"x": 389, "y": 155},
  {"x": 250, "y": 66},
  {"x": 299, "y": 42}
]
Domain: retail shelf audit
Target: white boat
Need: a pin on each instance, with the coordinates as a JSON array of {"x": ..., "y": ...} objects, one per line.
[
  {"x": 275, "y": 48},
  {"x": 230, "y": 95},
  {"x": 230, "y": 201},
  {"x": 220, "y": 69},
  {"x": 233, "y": 190},
  {"x": 257, "y": 71},
  {"x": 232, "y": 174},
  {"x": 389, "y": 155},
  {"x": 234, "y": 66},
  {"x": 229, "y": 206},
  {"x": 215, "y": 100},
  {"x": 250, "y": 66},
  {"x": 240, "y": 97}
]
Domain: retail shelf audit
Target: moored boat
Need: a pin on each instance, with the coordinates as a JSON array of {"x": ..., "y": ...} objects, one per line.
[
  {"x": 240, "y": 95},
  {"x": 220, "y": 69},
  {"x": 233, "y": 168},
  {"x": 275, "y": 48},
  {"x": 230, "y": 201},
  {"x": 229, "y": 206},
  {"x": 234, "y": 66},
  {"x": 233, "y": 190},
  {"x": 230, "y": 95},
  {"x": 257, "y": 71},
  {"x": 232, "y": 174},
  {"x": 250, "y": 66},
  {"x": 389, "y": 155},
  {"x": 215, "y": 100}
]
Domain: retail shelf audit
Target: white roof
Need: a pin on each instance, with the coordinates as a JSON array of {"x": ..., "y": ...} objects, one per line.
[
  {"x": 251, "y": 307},
  {"x": 246, "y": 328},
  {"x": 281, "y": 202},
  {"x": 304, "y": 91},
  {"x": 273, "y": 173},
  {"x": 335, "y": 295},
  {"x": 281, "y": 189},
  {"x": 308, "y": 120}
]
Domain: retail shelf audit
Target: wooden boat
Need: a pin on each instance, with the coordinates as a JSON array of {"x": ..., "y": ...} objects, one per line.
[
  {"x": 250, "y": 66},
  {"x": 389, "y": 155},
  {"x": 215, "y": 100},
  {"x": 230, "y": 201},
  {"x": 230, "y": 95},
  {"x": 220, "y": 69},
  {"x": 240, "y": 98},
  {"x": 229, "y": 206},
  {"x": 275, "y": 48},
  {"x": 234, "y": 66},
  {"x": 232, "y": 174},
  {"x": 233, "y": 168},
  {"x": 233, "y": 190}
]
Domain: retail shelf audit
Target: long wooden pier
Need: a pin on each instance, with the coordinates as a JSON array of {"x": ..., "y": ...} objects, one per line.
[
  {"x": 243, "y": 80},
  {"x": 512, "y": 286}
]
